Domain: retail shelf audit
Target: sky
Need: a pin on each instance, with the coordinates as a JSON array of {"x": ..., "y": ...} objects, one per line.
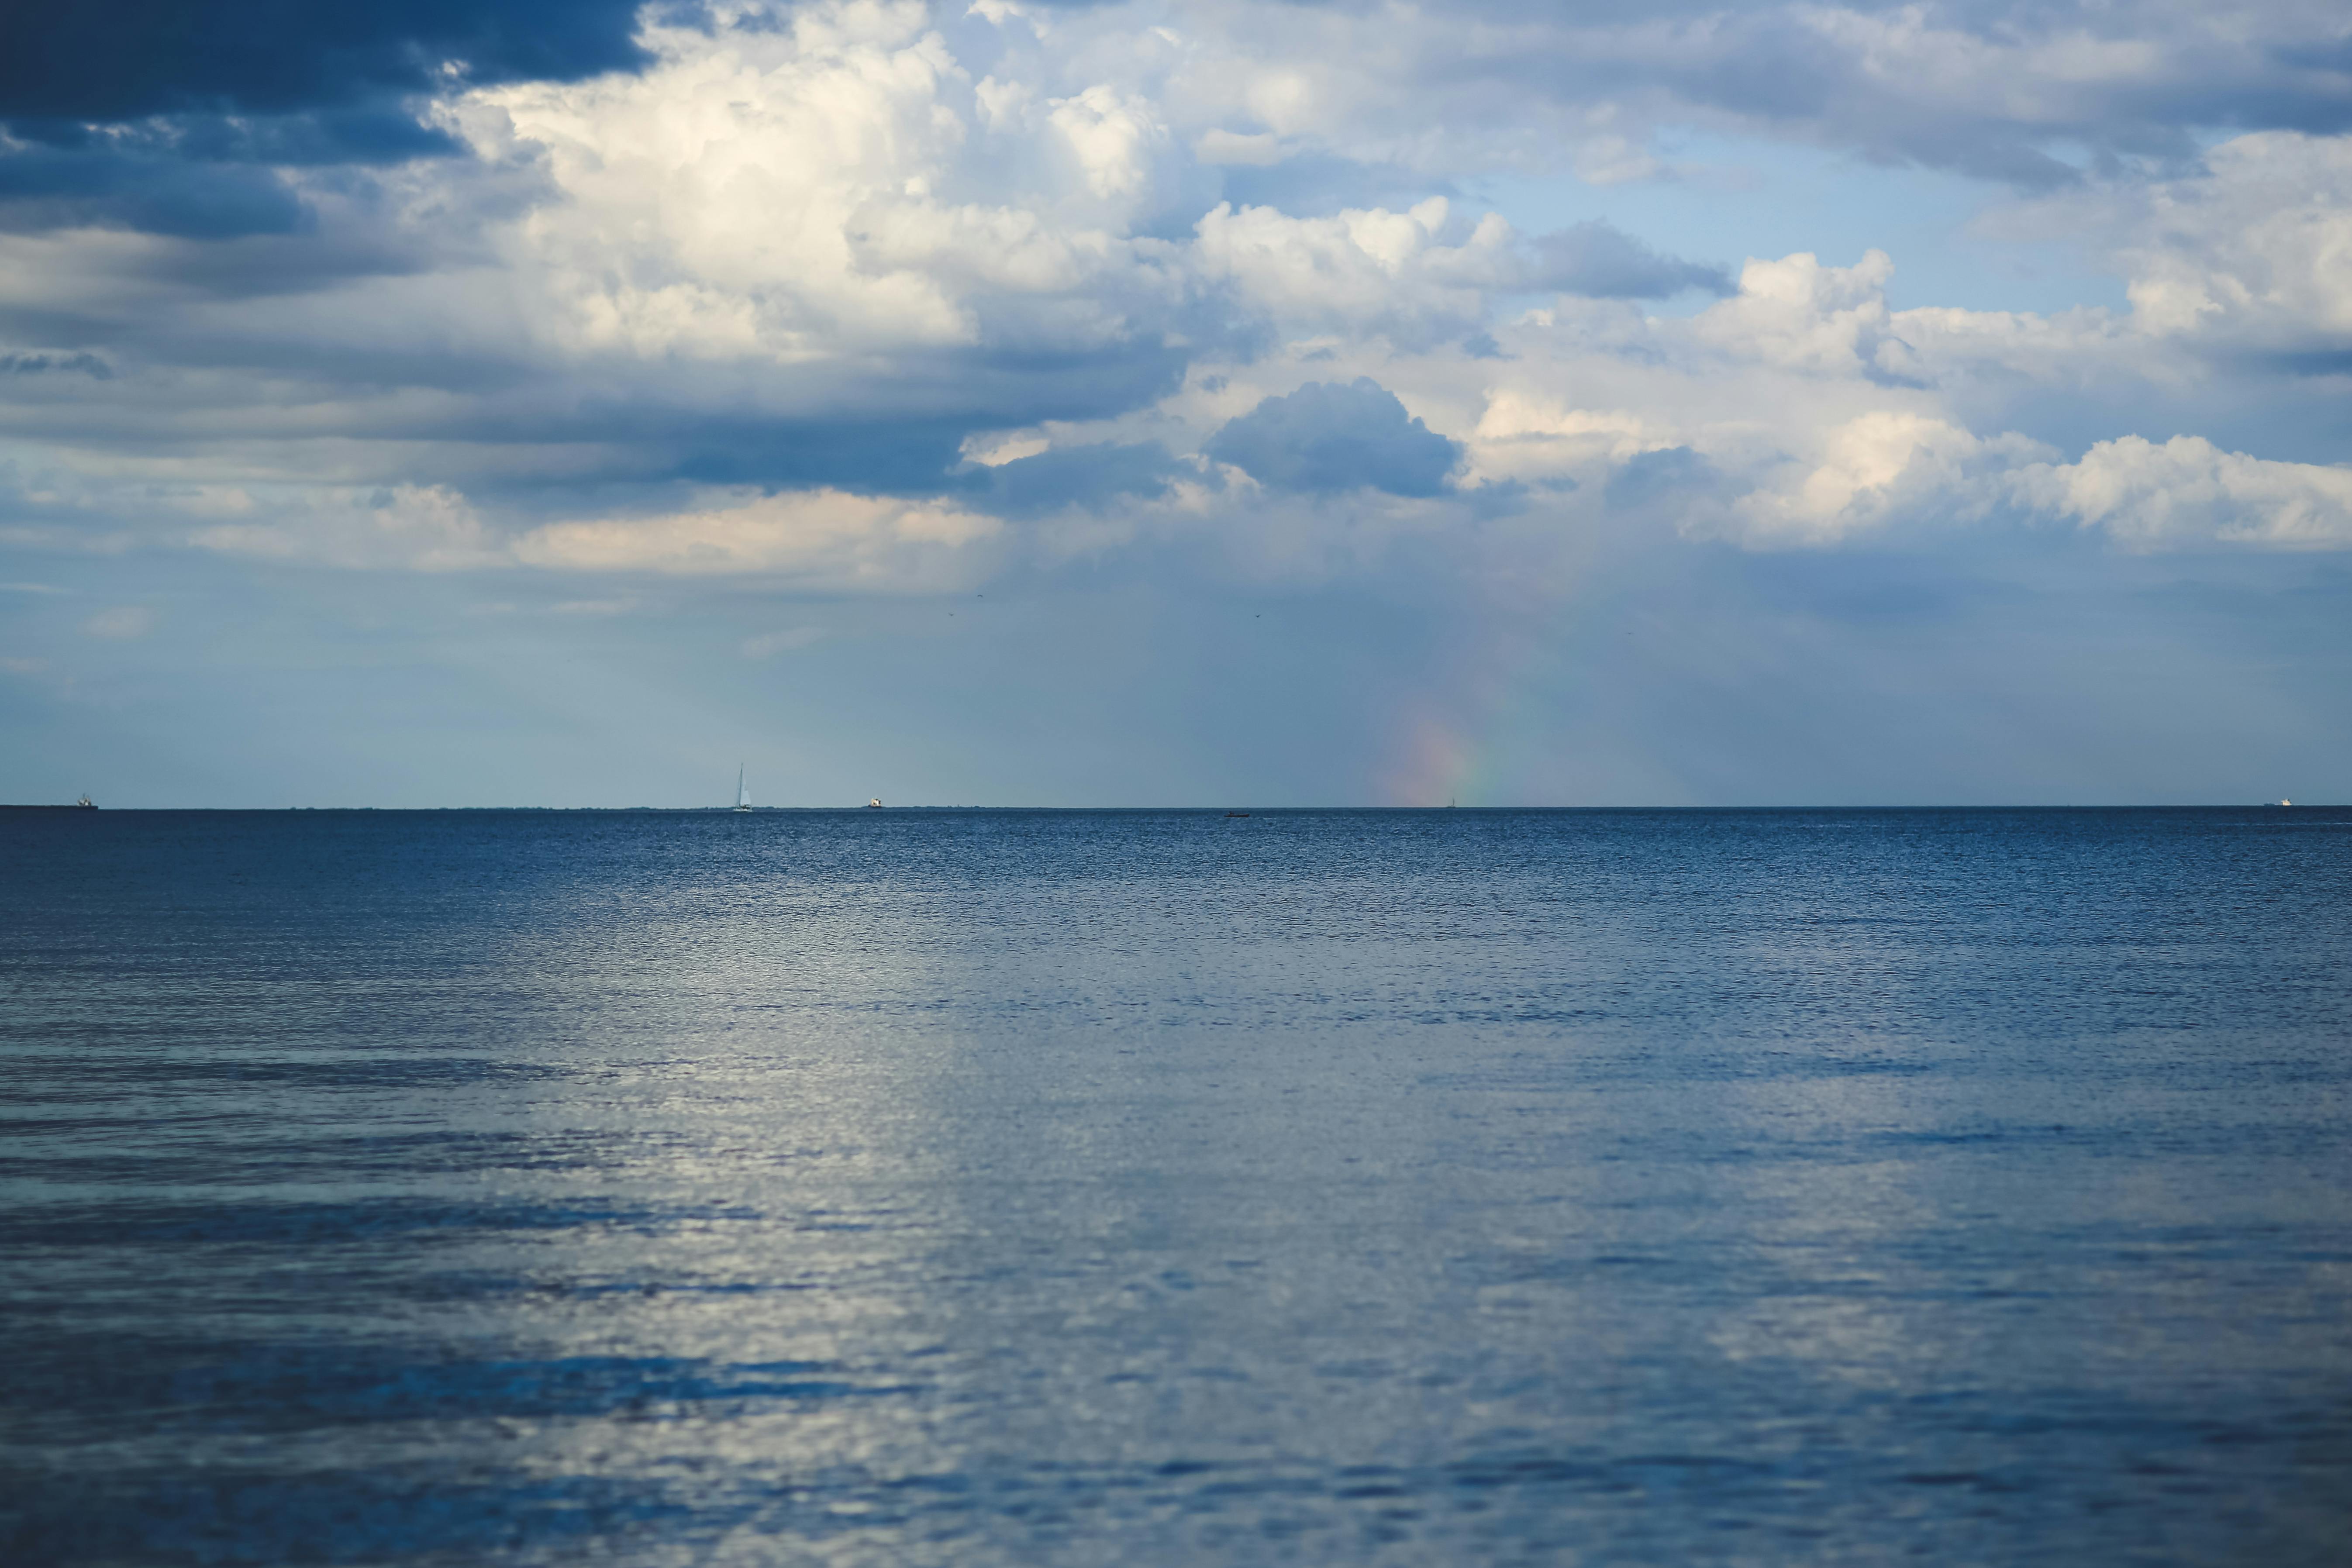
[{"x": 568, "y": 402}]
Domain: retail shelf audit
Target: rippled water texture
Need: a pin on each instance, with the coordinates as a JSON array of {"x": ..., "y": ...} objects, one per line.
[{"x": 1152, "y": 1188}]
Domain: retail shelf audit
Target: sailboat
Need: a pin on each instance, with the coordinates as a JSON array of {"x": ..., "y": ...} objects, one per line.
[{"x": 742, "y": 795}]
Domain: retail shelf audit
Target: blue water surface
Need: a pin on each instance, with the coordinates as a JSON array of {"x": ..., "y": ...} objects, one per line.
[{"x": 1108, "y": 1188}]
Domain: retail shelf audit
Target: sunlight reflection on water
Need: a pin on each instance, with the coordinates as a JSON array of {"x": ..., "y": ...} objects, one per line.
[{"x": 1093, "y": 1187}]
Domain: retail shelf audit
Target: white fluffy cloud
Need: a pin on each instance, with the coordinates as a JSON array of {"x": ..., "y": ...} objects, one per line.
[
  {"x": 834, "y": 187},
  {"x": 2189, "y": 491},
  {"x": 1362, "y": 272},
  {"x": 2254, "y": 251}
]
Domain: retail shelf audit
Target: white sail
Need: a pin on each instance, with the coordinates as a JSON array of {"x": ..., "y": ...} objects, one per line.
[{"x": 742, "y": 795}]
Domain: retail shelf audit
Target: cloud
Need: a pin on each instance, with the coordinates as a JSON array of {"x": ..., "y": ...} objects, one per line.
[
  {"x": 125, "y": 59},
  {"x": 772, "y": 285},
  {"x": 1528, "y": 432},
  {"x": 826, "y": 538},
  {"x": 1667, "y": 473},
  {"x": 1597, "y": 259},
  {"x": 1980, "y": 86},
  {"x": 823, "y": 538},
  {"x": 1360, "y": 272},
  {"x": 2187, "y": 491},
  {"x": 2252, "y": 252},
  {"x": 1325, "y": 437},
  {"x": 42, "y": 188},
  {"x": 1799, "y": 314},
  {"x": 1878, "y": 468},
  {"x": 417, "y": 527},
  {"x": 1087, "y": 475}
]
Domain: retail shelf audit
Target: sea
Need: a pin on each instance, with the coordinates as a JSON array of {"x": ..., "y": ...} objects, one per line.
[{"x": 1119, "y": 1189}]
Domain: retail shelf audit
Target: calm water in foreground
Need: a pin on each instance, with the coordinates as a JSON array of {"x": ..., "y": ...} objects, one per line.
[{"x": 1152, "y": 1188}]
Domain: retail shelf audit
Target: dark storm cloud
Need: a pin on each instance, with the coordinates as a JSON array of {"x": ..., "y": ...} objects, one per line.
[
  {"x": 127, "y": 60},
  {"x": 1604, "y": 262},
  {"x": 48, "y": 188},
  {"x": 363, "y": 133},
  {"x": 1325, "y": 436},
  {"x": 901, "y": 433},
  {"x": 195, "y": 177},
  {"x": 137, "y": 111},
  {"x": 886, "y": 456},
  {"x": 1074, "y": 476}
]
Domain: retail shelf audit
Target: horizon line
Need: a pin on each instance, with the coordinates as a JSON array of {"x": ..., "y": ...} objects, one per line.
[{"x": 1252, "y": 809}]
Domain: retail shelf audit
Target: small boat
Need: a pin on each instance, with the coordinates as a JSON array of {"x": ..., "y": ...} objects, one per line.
[
  {"x": 742, "y": 795},
  {"x": 1237, "y": 814},
  {"x": 874, "y": 805},
  {"x": 85, "y": 804}
]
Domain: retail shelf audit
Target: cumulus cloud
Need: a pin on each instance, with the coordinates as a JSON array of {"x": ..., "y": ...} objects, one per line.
[
  {"x": 1407, "y": 276},
  {"x": 2187, "y": 491},
  {"x": 1324, "y": 437},
  {"x": 1877, "y": 467},
  {"x": 1040, "y": 479},
  {"x": 2252, "y": 252},
  {"x": 1798, "y": 313},
  {"x": 1362, "y": 271}
]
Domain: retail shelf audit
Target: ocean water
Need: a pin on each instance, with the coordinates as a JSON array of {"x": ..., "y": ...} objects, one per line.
[{"x": 1137, "y": 1188}]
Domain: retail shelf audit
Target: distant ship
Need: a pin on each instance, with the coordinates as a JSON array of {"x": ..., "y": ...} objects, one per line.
[
  {"x": 86, "y": 804},
  {"x": 874, "y": 805},
  {"x": 742, "y": 795}
]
